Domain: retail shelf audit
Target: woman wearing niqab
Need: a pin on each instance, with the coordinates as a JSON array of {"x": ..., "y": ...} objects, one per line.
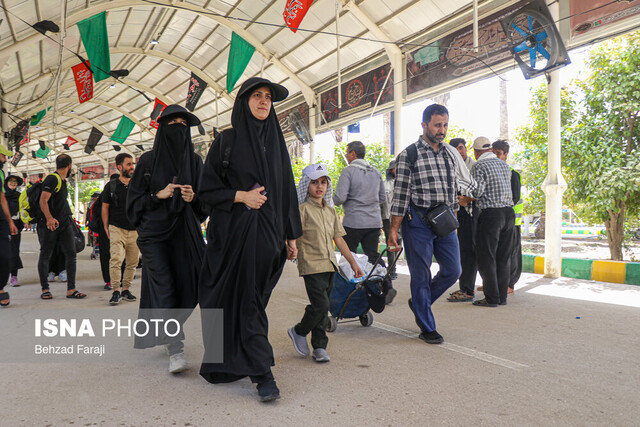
[
  {"x": 254, "y": 223},
  {"x": 164, "y": 206}
]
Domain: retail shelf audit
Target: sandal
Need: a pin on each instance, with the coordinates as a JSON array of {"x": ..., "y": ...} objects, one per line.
[
  {"x": 46, "y": 295},
  {"x": 4, "y": 296},
  {"x": 76, "y": 295},
  {"x": 459, "y": 296}
]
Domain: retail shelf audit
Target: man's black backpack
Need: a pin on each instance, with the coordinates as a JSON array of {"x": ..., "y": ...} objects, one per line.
[{"x": 95, "y": 214}]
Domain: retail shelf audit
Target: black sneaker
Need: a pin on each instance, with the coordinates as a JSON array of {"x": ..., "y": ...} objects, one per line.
[
  {"x": 432, "y": 337},
  {"x": 128, "y": 296},
  {"x": 391, "y": 294},
  {"x": 268, "y": 391},
  {"x": 115, "y": 298}
]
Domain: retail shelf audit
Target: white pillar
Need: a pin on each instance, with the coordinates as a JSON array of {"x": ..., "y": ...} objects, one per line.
[
  {"x": 77, "y": 207},
  {"x": 554, "y": 184}
]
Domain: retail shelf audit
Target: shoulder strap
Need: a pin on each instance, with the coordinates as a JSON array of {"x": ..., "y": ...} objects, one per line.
[{"x": 412, "y": 156}]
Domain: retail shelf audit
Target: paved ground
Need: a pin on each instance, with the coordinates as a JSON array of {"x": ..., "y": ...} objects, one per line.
[{"x": 562, "y": 352}]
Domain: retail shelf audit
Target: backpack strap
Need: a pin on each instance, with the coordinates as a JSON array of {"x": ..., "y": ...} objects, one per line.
[
  {"x": 226, "y": 145},
  {"x": 412, "y": 156}
]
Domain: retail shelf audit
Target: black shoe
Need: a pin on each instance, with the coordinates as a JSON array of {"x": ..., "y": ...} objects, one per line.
[
  {"x": 484, "y": 303},
  {"x": 391, "y": 294},
  {"x": 268, "y": 391},
  {"x": 414, "y": 314},
  {"x": 432, "y": 337},
  {"x": 128, "y": 296},
  {"x": 503, "y": 302},
  {"x": 115, "y": 298},
  {"x": 393, "y": 276}
]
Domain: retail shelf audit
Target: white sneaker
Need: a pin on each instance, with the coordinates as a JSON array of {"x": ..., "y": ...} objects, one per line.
[
  {"x": 320, "y": 355},
  {"x": 177, "y": 363},
  {"x": 62, "y": 276},
  {"x": 51, "y": 277}
]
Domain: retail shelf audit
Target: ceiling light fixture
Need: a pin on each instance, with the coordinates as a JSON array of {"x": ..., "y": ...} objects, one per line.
[
  {"x": 154, "y": 42},
  {"x": 112, "y": 86}
]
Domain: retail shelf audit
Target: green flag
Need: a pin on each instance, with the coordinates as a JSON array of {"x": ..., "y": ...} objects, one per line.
[
  {"x": 240, "y": 54},
  {"x": 95, "y": 39},
  {"x": 124, "y": 130},
  {"x": 39, "y": 115},
  {"x": 43, "y": 153}
]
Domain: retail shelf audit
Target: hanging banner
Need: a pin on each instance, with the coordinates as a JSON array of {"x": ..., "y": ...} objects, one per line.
[
  {"x": 38, "y": 116},
  {"x": 89, "y": 173},
  {"x": 70, "y": 141},
  {"x": 294, "y": 12},
  {"x": 19, "y": 134},
  {"x": 16, "y": 158},
  {"x": 93, "y": 32},
  {"x": 240, "y": 54},
  {"x": 92, "y": 142},
  {"x": 84, "y": 82},
  {"x": 587, "y": 15},
  {"x": 453, "y": 56},
  {"x": 194, "y": 92},
  {"x": 42, "y": 153},
  {"x": 123, "y": 130},
  {"x": 359, "y": 94},
  {"x": 158, "y": 107}
]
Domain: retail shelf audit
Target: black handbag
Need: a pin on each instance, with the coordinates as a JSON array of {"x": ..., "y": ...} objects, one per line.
[
  {"x": 78, "y": 237},
  {"x": 442, "y": 220}
]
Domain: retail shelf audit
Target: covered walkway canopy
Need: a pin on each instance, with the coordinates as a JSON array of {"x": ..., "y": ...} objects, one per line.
[{"x": 388, "y": 52}]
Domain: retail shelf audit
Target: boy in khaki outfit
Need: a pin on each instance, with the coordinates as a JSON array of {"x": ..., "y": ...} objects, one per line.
[{"x": 317, "y": 264}]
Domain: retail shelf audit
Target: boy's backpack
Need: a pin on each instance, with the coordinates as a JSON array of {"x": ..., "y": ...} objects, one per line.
[{"x": 29, "y": 201}]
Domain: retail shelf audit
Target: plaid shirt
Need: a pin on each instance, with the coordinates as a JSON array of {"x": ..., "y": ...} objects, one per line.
[
  {"x": 493, "y": 177},
  {"x": 429, "y": 185}
]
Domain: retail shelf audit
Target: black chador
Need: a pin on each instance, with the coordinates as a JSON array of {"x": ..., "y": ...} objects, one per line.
[
  {"x": 247, "y": 248},
  {"x": 169, "y": 234}
]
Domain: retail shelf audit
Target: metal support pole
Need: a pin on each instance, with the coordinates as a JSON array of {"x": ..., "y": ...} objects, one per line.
[
  {"x": 312, "y": 132},
  {"x": 338, "y": 56},
  {"x": 554, "y": 184},
  {"x": 475, "y": 26},
  {"x": 398, "y": 92},
  {"x": 77, "y": 190}
]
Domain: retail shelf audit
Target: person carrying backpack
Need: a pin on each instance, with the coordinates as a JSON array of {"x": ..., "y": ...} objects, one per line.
[
  {"x": 55, "y": 224},
  {"x": 7, "y": 227}
]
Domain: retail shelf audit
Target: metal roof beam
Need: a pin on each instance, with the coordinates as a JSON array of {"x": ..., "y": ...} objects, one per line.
[{"x": 103, "y": 6}]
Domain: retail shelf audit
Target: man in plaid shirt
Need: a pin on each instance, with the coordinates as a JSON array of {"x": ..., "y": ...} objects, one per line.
[
  {"x": 494, "y": 234},
  {"x": 434, "y": 178}
]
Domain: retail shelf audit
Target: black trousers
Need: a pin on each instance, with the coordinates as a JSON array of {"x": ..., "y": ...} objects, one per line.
[
  {"x": 516, "y": 257},
  {"x": 16, "y": 261},
  {"x": 316, "y": 316},
  {"x": 105, "y": 255},
  {"x": 5, "y": 253},
  {"x": 391, "y": 256},
  {"x": 467, "y": 243},
  {"x": 368, "y": 237},
  {"x": 494, "y": 239},
  {"x": 48, "y": 240}
]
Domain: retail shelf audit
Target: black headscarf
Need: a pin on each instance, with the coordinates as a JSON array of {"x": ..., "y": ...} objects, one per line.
[{"x": 172, "y": 160}]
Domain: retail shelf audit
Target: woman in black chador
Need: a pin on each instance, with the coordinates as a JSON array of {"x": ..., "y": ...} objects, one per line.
[
  {"x": 12, "y": 194},
  {"x": 254, "y": 223},
  {"x": 163, "y": 204}
]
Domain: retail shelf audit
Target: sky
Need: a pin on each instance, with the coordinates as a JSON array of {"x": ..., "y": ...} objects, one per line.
[{"x": 474, "y": 108}]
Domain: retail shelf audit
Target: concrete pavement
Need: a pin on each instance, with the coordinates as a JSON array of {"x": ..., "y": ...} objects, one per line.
[{"x": 562, "y": 352}]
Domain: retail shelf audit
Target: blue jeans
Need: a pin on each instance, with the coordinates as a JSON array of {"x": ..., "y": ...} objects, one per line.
[{"x": 421, "y": 245}]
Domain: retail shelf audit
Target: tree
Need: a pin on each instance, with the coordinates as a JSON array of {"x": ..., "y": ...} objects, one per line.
[
  {"x": 605, "y": 142},
  {"x": 534, "y": 139},
  {"x": 600, "y": 140}
]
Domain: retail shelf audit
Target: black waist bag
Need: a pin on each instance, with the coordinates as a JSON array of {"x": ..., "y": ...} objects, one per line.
[{"x": 440, "y": 219}]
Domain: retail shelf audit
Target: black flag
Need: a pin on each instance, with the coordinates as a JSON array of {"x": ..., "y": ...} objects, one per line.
[
  {"x": 92, "y": 142},
  {"x": 16, "y": 158},
  {"x": 18, "y": 133},
  {"x": 196, "y": 87}
]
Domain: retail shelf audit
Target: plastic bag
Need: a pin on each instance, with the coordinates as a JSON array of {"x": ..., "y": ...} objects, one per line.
[{"x": 363, "y": 263}]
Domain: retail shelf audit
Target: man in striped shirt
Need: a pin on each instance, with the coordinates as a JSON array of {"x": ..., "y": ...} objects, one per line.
[
  {"x": 428, "y": 173},
  {"x": 494, "y": 233}
]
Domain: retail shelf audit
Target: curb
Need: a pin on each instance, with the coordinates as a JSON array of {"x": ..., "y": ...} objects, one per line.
[{"x": 586, "y": 269}]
